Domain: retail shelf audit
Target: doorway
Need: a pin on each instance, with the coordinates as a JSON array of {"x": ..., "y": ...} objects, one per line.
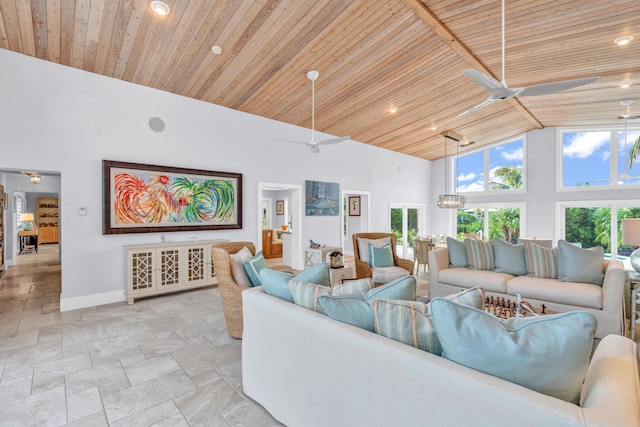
[
  {"x": 354, "y": 220},
  {"x": 291, "y": 216}
]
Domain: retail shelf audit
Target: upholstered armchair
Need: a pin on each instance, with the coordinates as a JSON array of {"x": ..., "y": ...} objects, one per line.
[
  {"x": 230, "y": 291},
  {"x": 379, "y": 275}
]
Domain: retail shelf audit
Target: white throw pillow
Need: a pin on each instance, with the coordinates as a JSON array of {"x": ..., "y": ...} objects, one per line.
[
  {"x": 237, "y": 267},
  {"x": 363, "y": 246}
]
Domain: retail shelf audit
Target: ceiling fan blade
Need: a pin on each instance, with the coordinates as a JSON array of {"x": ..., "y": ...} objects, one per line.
[
  {"x": 487, "y": 101},
  {"x": 487, "y": 82},
  {"x": 332, "y": 140},
  {"x": 548, "y": 88}
]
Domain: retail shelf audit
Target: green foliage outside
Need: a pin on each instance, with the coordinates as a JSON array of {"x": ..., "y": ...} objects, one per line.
[
  {"x": 591, "y": 227},
  {"x": 412, "y": 225}
]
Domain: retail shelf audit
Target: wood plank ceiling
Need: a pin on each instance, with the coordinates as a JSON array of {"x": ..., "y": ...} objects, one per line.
[{"x": 372, "y": 56}]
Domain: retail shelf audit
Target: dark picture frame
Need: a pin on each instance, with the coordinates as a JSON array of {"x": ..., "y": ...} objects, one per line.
[
  {"x": 354, "y": 206},
  {"x": 280, "y": 207},
  {"x": 141, "y": 198}
]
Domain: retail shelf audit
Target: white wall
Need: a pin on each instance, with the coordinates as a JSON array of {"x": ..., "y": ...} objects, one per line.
[{"x": 71, "y": 120}]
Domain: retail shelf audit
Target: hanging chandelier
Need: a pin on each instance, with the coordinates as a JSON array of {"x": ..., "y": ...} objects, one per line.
[{"x": 450, "y": 201}]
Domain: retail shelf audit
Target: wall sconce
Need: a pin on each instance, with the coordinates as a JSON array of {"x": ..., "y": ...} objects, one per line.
[{"x": 35, "y": 179}]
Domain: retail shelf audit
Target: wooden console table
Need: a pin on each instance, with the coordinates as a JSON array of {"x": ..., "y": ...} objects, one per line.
[{"x": 28, "y": 238}]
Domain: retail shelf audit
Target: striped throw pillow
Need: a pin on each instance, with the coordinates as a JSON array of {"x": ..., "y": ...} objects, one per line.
[
  {"x": 480, "y": 255},
  {"x": 353, "y": 287},
  {"x": 410, "y": 321},
  {"x": 541, "y": 262},
  {"x": 306, "y": 294}
]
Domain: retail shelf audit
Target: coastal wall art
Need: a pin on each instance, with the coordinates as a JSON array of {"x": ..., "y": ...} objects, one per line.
[
  {"x": 322, "y": 198},
  {"x": 140, "y": 198}
]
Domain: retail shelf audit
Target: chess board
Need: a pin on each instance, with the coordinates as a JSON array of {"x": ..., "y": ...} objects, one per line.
[{"x": 505, "y": 308}]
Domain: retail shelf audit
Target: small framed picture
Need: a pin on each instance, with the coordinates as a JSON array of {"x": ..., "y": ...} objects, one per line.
[
  {"x": 280, "y": 207},
  {"x": 354, "y": 205}
]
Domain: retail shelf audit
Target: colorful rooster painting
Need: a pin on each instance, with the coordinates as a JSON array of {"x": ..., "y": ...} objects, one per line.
[{"x": 148, "y": 198}]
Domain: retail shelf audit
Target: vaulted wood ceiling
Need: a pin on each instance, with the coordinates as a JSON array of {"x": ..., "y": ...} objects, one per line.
[{"x": 371, "y": 55}]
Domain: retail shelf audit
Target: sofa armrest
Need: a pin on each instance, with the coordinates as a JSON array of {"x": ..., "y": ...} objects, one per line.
[
  {"x": 613, "y": 287},
  {"x": 438, "y": 260},
  {"x": 612, "y": 382}
]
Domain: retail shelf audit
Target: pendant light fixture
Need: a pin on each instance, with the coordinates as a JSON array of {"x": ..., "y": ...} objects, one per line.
[{"x": 450, "y": 201}]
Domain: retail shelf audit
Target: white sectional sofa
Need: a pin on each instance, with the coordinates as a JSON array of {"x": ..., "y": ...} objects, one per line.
[
  {"x": 309, "y": 370},
  {"x": 605, "y": 302}
]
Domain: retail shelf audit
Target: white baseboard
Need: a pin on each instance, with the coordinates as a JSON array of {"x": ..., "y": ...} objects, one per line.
[{"x": 75, "y": 303}]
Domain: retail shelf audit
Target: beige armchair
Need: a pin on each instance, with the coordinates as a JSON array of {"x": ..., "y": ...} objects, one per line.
[
  {"x": 364, "y": 270},
  {"x": 230, "y": 291}
]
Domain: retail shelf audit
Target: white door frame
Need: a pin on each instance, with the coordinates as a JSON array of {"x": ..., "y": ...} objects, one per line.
[
  {"x": 295, "y": 210},
  {"x": 363, "y": 208}
]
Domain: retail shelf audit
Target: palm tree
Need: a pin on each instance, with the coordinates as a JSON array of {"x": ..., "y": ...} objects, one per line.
[
  {"x": 511, "y": 178},
  {"x": 633, "y": 153}
]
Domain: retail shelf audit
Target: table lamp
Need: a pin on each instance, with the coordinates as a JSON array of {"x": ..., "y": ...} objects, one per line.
[
  {"x": 631, "y": 237},
  {"x": 27, "y": 221}
]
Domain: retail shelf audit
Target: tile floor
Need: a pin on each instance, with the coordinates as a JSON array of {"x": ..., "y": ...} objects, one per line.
[{"x": 163, "y": 361}]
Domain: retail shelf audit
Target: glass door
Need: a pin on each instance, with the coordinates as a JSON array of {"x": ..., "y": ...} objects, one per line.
[{"x": 406, "y": 222}]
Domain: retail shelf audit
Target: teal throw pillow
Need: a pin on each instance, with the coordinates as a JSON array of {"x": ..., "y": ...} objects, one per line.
[
  {"x": 355, "y": 308},
  {"x": 380, "y": 256},
  {"x": 457, "y": 253},
  {"x": 351, "y": 309},
  {"x": 479, "y": 254},
  {"x": 276, "y": 283},
  {"x": 580, "y": 265},
  {"x": 509, "y": 258},
  {"x": 548, "y": 354},
  {"x": 253, "y": 266},
  {"x": 541, "y": 262}
]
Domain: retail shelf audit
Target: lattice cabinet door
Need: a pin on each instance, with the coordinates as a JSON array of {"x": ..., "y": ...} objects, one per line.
[
  {"x": 169, "y": 265},
  {"x": 196, "y": 260},
  {"x": 141, "y": 272}
]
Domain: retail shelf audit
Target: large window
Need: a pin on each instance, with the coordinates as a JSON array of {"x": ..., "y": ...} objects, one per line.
[
  {"x": 491, "y": 221},
  {"x": 597, "y": 223},
  {"x": 587, "y": 160},
  {"x": 496, "y": 168}
]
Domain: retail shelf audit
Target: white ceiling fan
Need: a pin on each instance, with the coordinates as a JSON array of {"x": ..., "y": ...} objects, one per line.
[
  {"x": 500, "y": 90},
  {"x": 314, "y": 145}
]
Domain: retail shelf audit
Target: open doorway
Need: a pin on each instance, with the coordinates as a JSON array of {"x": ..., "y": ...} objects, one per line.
[
  {"x": 281, "y": 205},
  {"x": 356, "y": 216}
]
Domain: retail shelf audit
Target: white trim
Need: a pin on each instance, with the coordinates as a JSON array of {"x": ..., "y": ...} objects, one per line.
[
  {"x": 93, "y": 300},
  {"x": 614, "y": 172},
  {"x": 506, "y": 205}
]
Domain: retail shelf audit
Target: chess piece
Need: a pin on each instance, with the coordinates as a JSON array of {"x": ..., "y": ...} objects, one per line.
[{"x": 544, "y": 307}]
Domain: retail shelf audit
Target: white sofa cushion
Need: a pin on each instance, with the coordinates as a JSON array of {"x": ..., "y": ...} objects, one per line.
[
  {"x": 571, "y": 293},
  {"x": 490, "y": 281},
  {"x": 387, "y": 274}
]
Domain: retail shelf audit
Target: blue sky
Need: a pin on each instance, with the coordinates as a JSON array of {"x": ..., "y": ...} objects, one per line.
[{"x": 586, "y": 158}]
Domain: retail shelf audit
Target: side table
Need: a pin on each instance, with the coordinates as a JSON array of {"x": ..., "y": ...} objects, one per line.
[
  {"x": 634, "y": 318},
  {"x": 313, "y": 256},
  {"x": 339, "y": 275}
]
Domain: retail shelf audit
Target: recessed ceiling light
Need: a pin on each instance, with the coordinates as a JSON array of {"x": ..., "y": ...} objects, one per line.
[
  {"x": 434, "y": 127},
  {"x": 216, "y": 50},
  {"x": 625, "y": 85},
  {"x": 393, "y": 110},
  {"x": 160, "y": 7},
  {"x": 621, "y": 41}
]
